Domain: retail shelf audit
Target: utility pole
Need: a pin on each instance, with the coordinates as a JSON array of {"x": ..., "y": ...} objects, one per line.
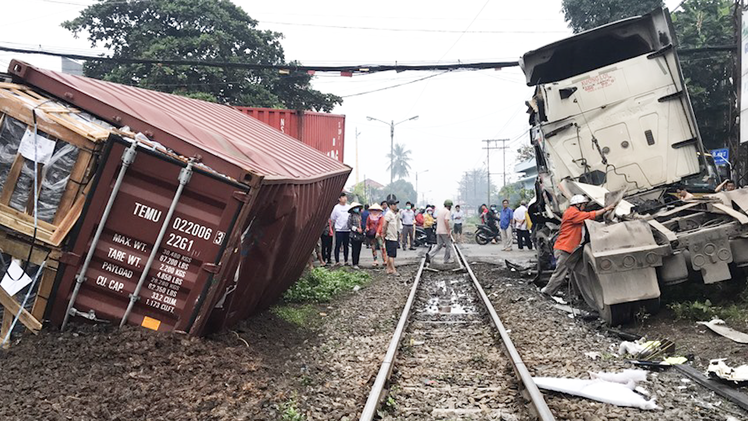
[
  {"x": 357, "y": 133},
  {"x": 392, "y": 125},
  {"x": 488, "y": 149}
]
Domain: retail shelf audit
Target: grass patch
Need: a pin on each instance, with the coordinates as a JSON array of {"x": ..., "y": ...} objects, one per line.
[
  {"x": 320, "y": 285},
  {"x": 289, "y": 412},
  {"x": 300, "y": 315},
  {"x": 705, "y": 311}
]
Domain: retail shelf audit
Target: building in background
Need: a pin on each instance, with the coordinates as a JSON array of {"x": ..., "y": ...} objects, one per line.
[{"x": 528, "y": 171}]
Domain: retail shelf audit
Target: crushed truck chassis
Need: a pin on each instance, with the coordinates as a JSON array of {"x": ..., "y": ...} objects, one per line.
[{"x": 621, "y": 267}]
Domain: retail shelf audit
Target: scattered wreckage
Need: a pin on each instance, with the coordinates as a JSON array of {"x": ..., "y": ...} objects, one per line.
[{"x": 612, "y": 119}]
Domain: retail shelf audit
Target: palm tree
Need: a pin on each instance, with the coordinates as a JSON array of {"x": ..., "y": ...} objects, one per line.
[{"x": 400, "y": 162}]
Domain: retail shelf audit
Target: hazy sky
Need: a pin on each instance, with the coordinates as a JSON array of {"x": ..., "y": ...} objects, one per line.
[{"x": 456, "y": 110}]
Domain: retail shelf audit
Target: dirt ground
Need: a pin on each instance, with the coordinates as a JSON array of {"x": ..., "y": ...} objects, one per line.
[
  {"x": 272, "y": 369},
  {"x": 320, "y": 369}
]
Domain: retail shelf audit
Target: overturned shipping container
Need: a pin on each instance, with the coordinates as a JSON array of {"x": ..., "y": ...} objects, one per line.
[
  {"x": 236, "y": 235},
  {"x": 322, "y": 131}
]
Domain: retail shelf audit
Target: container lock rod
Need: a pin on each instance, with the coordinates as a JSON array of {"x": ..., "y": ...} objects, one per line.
[
  {"x": 184, "y": 177},
  {"x": 128, "y": 156}
]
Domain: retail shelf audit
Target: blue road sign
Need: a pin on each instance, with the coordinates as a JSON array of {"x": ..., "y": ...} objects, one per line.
[{"x": 721, "y": 156}]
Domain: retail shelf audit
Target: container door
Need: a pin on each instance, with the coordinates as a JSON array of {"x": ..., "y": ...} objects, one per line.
[{"x": 185, "y": 262}]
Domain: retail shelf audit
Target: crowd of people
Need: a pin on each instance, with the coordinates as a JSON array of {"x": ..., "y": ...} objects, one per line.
[
  {"x": 507, "y": 221},
  {"x": 384, "y": 228}
]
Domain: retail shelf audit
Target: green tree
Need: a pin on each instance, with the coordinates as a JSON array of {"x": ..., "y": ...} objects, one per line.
[
  {"x": 525, "y": 153},
  {"x": 400, "y": 158},
  {"x": 210, "y": 30},
  {"x": 515, "y": 194},
  {"x": 587, "y": 14},
  {"x": 708, "y": 75},
  {"x": 400, "y": 188}
]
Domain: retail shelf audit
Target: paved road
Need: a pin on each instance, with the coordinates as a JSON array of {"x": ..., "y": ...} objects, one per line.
[{"x": 490, "y": 253}]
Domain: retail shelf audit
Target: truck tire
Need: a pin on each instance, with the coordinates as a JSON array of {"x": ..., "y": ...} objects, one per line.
[
  {"x": 542, "y": 240},
  {"x": 588, "y": 285}
]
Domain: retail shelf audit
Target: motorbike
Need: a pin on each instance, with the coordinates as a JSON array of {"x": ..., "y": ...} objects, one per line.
[
  {"x": 484, "y": 234},
  {"x": 420, "y": 238}
]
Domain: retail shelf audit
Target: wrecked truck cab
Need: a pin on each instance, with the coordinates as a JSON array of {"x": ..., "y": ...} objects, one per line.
[{"x": 611, "y": 113}]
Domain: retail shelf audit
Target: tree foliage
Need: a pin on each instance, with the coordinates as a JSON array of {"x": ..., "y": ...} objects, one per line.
[
  {"x": 209, "y": 30},
  {"x": 701, "y": 23},
  {"x": 400, "y": 161},
  {"x": 587, "y": 14},
  {"x": 400, "y": 188},
  {"x": 525, "y": 153},
  {"x": 515, "y": 193}
]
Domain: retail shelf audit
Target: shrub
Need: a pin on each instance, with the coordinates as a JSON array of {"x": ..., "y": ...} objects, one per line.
[{"x": 320, "y": 285}]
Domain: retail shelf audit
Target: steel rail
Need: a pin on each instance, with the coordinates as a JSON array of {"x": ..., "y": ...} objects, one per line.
[
  {"x": 538, "y": 402},
  {"x": 372, "y": 403}
]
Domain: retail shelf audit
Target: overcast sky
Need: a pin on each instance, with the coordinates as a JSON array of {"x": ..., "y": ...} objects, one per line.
[{"x": 456, "y": 110}]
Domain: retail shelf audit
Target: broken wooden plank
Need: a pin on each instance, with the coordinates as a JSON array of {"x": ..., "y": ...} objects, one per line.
[
  {"x": 73, "y": 186},
  {"x": 7, "y": 321},
  {"x": 10, "y": 182},
  {"x": 740, "y": 399},
  {"x": 12, "y": 306},
  {"x": 20, "y": 249},
  {"x": 43, "y": 293}
]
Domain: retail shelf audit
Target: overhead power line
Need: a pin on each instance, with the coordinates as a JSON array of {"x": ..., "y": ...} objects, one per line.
[
  {"x": 280, "y": 67},
  {"x": 442, "y": 31}
]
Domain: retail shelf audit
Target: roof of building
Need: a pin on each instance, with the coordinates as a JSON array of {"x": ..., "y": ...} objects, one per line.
[
  {"x": 227, "y": 140},
  {"x": 525, "y": 165}
]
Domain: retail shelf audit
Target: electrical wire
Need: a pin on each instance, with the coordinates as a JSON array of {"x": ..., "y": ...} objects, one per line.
[
  {"x": 394, "y": 86},
  {"x": 441, "y": 31},
  {"x": 279, "y": 67}
]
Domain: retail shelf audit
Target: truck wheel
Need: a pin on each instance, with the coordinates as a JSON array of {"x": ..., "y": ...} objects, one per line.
[
  {"x": 589, "y": 286},
  {"x": 481, "y": 238},
  {"x": 545, "y": 252}
]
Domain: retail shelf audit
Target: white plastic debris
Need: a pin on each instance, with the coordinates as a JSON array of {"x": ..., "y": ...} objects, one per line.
[
  {"x": 719, "y": 327},
  {"x": 619, "y": 392},
  {"x": 625, "y": 377},
  {"x": 725, "y": 372},
  {"x": 593, "y": 355}
]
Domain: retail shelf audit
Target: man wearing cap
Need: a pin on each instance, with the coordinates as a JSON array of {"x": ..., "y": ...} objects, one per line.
[
  {"x": 443, "y": 240},
  {"x": 569, "y": 238},
  {"x": 390, "y": 234},
  {"x": 339, "y": 218}
]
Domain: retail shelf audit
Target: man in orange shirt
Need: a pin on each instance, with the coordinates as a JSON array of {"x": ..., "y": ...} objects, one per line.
[{"x": 569, "y": 238}]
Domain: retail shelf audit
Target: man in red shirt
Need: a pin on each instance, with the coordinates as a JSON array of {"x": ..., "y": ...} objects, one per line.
[{"x": 569, "y": 238}]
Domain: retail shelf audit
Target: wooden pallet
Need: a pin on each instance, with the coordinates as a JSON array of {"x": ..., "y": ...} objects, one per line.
[{"x": 17, "y": 230}]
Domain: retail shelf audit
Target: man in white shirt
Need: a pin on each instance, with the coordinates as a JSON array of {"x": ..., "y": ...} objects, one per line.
[
  {"x": 458, "y": 217},
  {"x": 520, "y": 224},
  {"x": 443, "y": 239},
  {"x": 339, "y": 218},
  {"x": 407, "y": 217}
]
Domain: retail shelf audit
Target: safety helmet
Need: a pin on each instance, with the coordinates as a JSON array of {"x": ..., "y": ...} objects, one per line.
[
  {"x": 447, "y": 202},
  {"x": 578, "y": 199}
]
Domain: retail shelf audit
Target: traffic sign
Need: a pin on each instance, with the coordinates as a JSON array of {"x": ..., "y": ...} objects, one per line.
[{"x": 721, "y": 156}]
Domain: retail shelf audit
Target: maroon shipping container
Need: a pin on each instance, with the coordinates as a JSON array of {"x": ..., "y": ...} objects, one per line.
[
  {"x": 322, "y": 131},
  {"x": 185, "y": 260},
  {"x": 292, "y": 188}
]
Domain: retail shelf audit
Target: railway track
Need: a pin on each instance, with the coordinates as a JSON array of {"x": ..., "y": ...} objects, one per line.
[{"x": 451, "y": 357}]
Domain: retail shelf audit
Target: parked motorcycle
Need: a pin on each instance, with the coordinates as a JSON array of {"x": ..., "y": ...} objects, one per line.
[
  {"x": 420, "y": 238},
  {"x": 484, "y": 234}
]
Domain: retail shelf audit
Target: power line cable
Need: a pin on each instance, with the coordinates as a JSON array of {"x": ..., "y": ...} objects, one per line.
[
  {"x": 440, "y": 31},
  {"x": 280, "y": 67},
  {"x": 395, "y": 86}
]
